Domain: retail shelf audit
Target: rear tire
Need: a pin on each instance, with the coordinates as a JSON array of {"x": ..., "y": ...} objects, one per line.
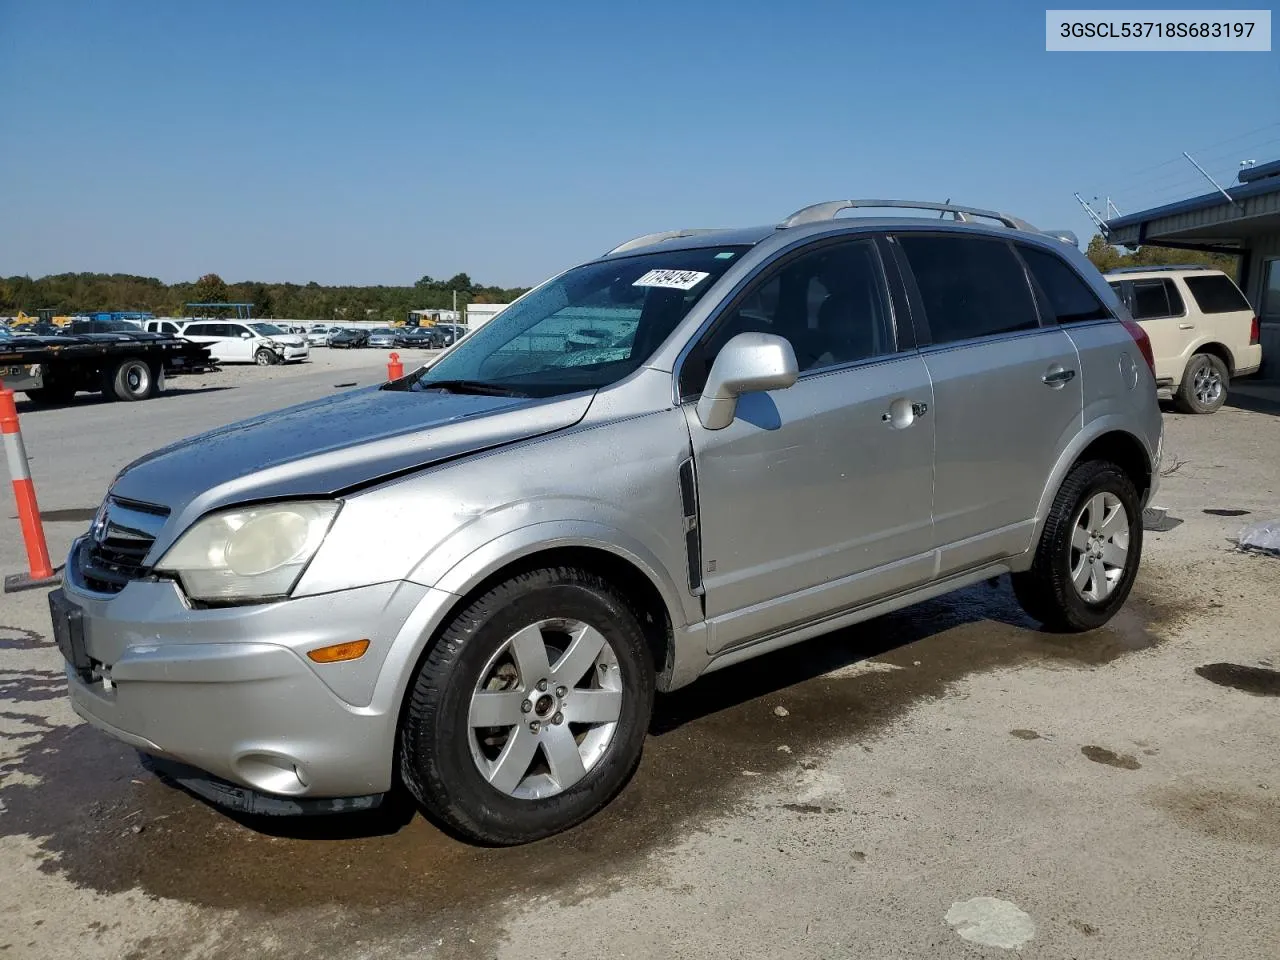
[
  {"x": 1204, "y": 385},
  {"x": 524, "y": 640},
  {"x": 132, "y": 379},
  {"x": 1089, "y": 551}
]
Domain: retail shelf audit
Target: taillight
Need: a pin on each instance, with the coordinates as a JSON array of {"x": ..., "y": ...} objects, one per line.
[
  {"x": 1255, "y": 333},
  {"x": 1143, "y": 341}
]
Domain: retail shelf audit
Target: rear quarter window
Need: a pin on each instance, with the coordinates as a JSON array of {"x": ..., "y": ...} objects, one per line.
[
  {"x": 1215, "y": 293},
  {"x": 1070, "y": 299}
]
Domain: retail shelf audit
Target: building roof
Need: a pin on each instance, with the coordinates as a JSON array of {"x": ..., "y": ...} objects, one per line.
[{"x": 1209, "y": 218}]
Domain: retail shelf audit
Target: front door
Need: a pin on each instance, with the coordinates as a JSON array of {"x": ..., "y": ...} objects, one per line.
[{"x": 817, "y": 498}]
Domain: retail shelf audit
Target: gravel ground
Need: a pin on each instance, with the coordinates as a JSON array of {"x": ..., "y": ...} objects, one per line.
[{"x": 945, "y": 781}]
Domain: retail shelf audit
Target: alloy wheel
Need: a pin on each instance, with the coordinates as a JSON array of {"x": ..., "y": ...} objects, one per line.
[
  {"x": 1099, "y": 547},
  {"x": 545, "y": 708}
]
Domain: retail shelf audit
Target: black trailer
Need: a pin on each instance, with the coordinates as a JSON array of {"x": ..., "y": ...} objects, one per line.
[{"x": 121, "y": 365}]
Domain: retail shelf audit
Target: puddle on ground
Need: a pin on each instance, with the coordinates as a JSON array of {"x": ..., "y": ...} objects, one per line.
[
  {"x": 1025, "y": 734},
  {"x": 1110, "y": 758},
  {"x": 1259, "y": 681},
  {"x": 1225, "y": 512},
  {"x": 108, "y": 826}
]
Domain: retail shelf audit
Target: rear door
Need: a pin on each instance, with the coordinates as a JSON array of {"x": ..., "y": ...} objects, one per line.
[
  {"x": 817, "y": 497},
  {"x": 1158, "y": 305},
  {"x": 1006, "y": 388}
]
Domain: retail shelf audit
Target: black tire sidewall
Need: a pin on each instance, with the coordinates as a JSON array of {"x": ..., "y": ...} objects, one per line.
[
  {"x": 1187, "y": 392},
  {"x": 1091, "y": 479},
  {"x": 270, "y": 361},
  {"x": 444, "y": 775},
  {"x": 120, "y": 381}
]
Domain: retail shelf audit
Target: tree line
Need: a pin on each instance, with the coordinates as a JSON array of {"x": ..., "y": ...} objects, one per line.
[
  {"x": 1106, "y": 257},
  {"x": 72, "y": 293}
]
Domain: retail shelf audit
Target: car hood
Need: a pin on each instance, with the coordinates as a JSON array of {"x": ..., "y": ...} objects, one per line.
[
  {"x": 289, "y": 339},
  {"x": 328, "y": 446}
]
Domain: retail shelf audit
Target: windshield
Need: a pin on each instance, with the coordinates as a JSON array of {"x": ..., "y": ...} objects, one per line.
[
  {"x": 266, "y": 329},
  {"x": 587, "y": 328}
]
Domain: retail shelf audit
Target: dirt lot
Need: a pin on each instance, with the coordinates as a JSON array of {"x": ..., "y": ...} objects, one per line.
[{"x": 945, "y": 782}]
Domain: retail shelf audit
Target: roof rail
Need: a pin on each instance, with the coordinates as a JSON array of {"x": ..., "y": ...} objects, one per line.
[
  {"x": 651, "y": 238},
  {"x": 1156, "y": 268},
  {"x": 828, "y": 210}
]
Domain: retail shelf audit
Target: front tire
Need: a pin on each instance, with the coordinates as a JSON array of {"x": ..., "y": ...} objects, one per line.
[
  {"x": 1089, "y": 551},
  {"x": 1204, "y": 385},
  {"x": 529, "y": 713},
  {"x": 264, "y": 358}
]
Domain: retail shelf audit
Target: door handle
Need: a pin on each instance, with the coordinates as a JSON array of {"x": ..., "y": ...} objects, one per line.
[
  {"x": 902, "y": 413},
  {"x": 1186, "y": 326},
  {"x": 1058, "y": 377}
]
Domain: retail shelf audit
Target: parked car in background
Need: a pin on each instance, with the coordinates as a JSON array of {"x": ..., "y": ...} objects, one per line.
[
  {"x": 1203, "y": 331},
  {"x": 472, "y": 579},
  {"x": 449, "y": 333},
  {"x": 382, "y": 337},
  {"x": 233, "y": 341},
  {"x": 115, "y": 328},
  {"x": 164, "y": 325},
  {"x": 415, "y": 338},
  {"x": 346, "y": 338},
  {"x": 318, "y": 334}
]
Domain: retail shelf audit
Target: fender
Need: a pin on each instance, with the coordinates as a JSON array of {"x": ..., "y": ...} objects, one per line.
[
  {"x": 1110, "y": 423},
  {"x": 491, "y": 556},
  {"x": 1196, "y": 346}
]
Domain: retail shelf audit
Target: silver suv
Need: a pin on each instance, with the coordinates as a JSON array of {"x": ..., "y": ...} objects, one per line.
[{"x": 700, "y": 447}]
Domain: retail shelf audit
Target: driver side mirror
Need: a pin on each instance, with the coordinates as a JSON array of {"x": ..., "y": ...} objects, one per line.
[
  {"x": 246, "y": 335},
  {"x": 748, "y": 363}
]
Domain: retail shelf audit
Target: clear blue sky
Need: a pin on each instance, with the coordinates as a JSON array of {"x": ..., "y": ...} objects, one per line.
[{"x": 373, "y": 142}]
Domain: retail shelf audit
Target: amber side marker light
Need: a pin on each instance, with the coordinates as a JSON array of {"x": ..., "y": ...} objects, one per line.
[{"x": 338, "y": 652}]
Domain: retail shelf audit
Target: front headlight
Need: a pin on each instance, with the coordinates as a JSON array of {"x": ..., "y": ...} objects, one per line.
[{"x": 249, "y": 553}]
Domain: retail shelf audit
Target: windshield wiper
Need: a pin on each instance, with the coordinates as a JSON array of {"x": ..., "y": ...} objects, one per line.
[{"x": 478, "y": 387}]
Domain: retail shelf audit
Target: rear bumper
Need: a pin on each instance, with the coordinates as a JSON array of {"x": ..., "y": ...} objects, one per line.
[{"x": 1249, "y": 361}]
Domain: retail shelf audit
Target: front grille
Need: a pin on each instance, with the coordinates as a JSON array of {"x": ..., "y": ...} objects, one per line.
[{"x": 118, "y": 542}]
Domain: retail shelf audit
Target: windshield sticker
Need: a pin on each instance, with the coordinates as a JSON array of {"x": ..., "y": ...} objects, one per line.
[
  {"x": 726, "y": 255},
  {"x": 675, "y": 279}
]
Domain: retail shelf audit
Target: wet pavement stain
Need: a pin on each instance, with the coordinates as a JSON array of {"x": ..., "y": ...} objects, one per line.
[
  {"x": 89, "y": 791},
  {"x": 1025, "y": 734},
  {"x": 18, "y": 638},
  {"x": 1110, "y": 758},
  {"x": 1257, "y": 681},
  {"x": 1224, "y": 813},
  {"x": 1223, "y": 512},
  {"x": 24, "y": 686}
]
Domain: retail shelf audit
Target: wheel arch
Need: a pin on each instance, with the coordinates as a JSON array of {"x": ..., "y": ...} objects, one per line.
[
  {"x": 590, "y": 546},
  {"x": 1110, "y": 441},
  {"x": 1213, "y": 348}
]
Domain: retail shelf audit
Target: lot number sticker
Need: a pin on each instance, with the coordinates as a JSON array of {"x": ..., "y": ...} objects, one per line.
[{"x": 675, "y": 279}]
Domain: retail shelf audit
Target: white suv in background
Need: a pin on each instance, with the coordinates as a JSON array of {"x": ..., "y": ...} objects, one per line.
[
  {"x": 1203, "y": 331},
  {"x": 232, "y": 341}
]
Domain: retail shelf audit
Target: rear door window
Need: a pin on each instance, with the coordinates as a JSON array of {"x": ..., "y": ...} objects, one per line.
[
  {"x": 1150, "y": 300},
  {"x": 1215, "y": 293},
  {"x": 970, "y": 286},
  {"x": 1070, "y": 298}
]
